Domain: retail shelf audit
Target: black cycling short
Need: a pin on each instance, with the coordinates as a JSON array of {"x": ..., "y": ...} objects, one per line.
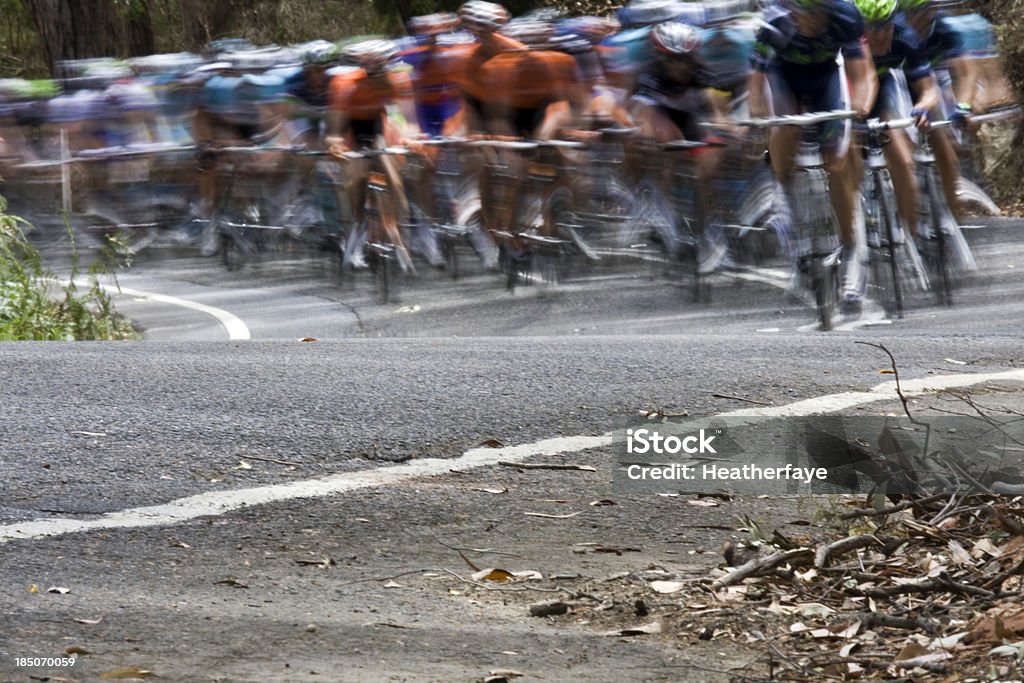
[
  {"x": 685, "y": 121},
  {"x": 366, "y": 131},
  {"x": 526, "y": 120}
]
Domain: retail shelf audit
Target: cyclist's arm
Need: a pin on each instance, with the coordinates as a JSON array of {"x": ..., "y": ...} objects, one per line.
[
  {"x": 337, "y": 125},
  {"x": 860, "y": 71},
  {"x": 926, "y": 92},
  {"x": 965, "y": 79},
  {"x": 758, "y": 94}
]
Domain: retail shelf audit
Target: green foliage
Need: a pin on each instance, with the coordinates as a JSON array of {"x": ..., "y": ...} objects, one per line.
[{"x": 34, "y": 306}]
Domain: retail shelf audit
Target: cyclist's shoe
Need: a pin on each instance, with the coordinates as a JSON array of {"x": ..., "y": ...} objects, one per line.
[
  {"x": 851, "y": 305},
  {"x": 713, "y": 254},
  {"x": 209, "y": 239},
  {"x": 486, "y": 248},
  {"x": 356, "y": 260},
  {"x": 854, "y": 274}
]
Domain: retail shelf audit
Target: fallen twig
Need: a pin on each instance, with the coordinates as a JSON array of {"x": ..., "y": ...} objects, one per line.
[
  {"x": 763, "y": 564},
  {"x": 741, "y": 398},
  {"x": 874, "y": 619},
  {"x": 843, "y": 545}
]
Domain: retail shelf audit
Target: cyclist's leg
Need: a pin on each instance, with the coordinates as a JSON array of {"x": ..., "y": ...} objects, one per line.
[
  {"x": 782, "y": 141},
  {"x": 949, "y": 165},
  {"x": 899, "y": 153}
]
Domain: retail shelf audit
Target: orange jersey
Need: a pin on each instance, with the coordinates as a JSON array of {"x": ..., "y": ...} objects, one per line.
[
  {"x": 361, "y": 97},
  {"x": 473, "y": 76},
  {"x": 528, "y": 79},
  {"x": 437, "y": 71}
]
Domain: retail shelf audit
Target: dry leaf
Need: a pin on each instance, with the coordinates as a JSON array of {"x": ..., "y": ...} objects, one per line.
[
  {"x": 90, "y": 622},
  {"x": 492, "y": 443},
  {"x": 76, "y": 650},
  {"x": 845, "y": 650},
  {"x": 309, "y": 339},
  {"x": 507, "y": 673},
  {"x": 497, "y": 575},
  {"x": 230, "y": 582},
  {"x": 127, "y": 672},
  {"x": 494, "y": 491},
  {"x": 242, "y": 465},
  {"x": 603, "y": 503},
  {"x": 33, "y": 588},
  {"x": 911, "y": 651},
  {"x": 666, "y": 587},
  {"x": 814, "y": 609},
  {"x": 393, "y": 584}
]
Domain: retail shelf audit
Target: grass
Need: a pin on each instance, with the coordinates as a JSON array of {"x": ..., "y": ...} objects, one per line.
[{"x": 36, "y": 306}]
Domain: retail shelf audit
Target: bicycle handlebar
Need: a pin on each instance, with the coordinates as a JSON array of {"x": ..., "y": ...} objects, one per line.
[
  {"x": 371, "y": 153},
  {"x": 527, "y": 144},
  {"x": 257, "y": 149},
  {"x": 809, "y": 119},
  {"x": 996, "y": 115},
  {"x": 689, "y": 145}
]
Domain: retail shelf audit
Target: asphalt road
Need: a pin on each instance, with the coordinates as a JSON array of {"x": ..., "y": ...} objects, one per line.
[{"x": 90, "y": 430}]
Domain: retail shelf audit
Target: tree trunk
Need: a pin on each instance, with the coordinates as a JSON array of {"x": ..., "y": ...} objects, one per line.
[
  {"x": 206, "y": 20},
  {"x": 78, "y": 29}
]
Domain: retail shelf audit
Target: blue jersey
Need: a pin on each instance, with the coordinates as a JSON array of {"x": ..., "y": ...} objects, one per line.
[
  {"x": 905, "y": 53},
  {"x": 779, "y": 44},
  {"x": 942, "y": 43}
]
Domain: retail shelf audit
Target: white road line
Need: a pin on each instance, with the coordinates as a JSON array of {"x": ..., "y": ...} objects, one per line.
[
  {"x": 236, "y": 329},
  {"x": 221, "y": 502}
]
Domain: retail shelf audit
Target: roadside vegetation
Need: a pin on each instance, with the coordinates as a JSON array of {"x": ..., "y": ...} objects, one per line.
[{"x": 36, "y": 306}]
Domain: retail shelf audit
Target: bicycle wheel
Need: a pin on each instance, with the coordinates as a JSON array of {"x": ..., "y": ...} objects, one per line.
[
  {"x": 825, "y": 283},
  {"x": 936, "y": 245},
  {"x": 880, "y": 217}
]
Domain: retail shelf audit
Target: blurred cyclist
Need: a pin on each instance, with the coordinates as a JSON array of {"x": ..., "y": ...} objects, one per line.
[
  {"x": 796, "y": 57},
  {"x": 943, "y": 47},
  {"x": 894, "y": 45},
  {"x": 358, "y": 118}
]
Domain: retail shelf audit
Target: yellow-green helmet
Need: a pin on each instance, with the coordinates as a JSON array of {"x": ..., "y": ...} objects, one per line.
[{"x": 876, "y": 10}]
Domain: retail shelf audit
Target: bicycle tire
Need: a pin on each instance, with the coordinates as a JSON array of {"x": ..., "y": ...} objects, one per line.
[
  {"x": 939, "y": 249},
  {"x": 885, "y": 261},
  {"x": 824, "y": 281},
  {"x": 382, "y": 268},
  {"x": 451, "y": 256}
]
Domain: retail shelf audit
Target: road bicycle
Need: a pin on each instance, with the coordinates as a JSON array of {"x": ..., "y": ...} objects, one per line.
[
  {"x": 818, "y": 249},
  {"x": 895, "y": 265},
  {"x": 378, "y": 235},
  {"x": 531, "y": 208},
  {"x": 455, "y": 212},
  {"x": 943, "y": 246},
  {"x": 675, "y": 220},
  {"x": 132, "y": 194},
  {"x": 246, "y": 221}
]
